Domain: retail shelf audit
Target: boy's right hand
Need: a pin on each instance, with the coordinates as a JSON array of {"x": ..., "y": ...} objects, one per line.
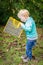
[{"x": 21, "y": 23}]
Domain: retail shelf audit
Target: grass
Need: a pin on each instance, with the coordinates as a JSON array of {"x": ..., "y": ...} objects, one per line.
[{"x": 11, "y": 49}]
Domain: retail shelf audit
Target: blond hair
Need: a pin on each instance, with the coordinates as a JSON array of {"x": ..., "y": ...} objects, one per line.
[{"x": 23, "y": 12}]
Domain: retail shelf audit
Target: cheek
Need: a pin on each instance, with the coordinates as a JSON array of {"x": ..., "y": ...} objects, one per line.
[{"x": 22, "y": 18}]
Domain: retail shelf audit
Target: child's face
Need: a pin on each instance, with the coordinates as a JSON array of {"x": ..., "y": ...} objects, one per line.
[{"x": 23, "y": 18}]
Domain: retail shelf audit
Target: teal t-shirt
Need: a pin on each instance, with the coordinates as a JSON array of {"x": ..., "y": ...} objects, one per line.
[{"x": 30, "y": 29}]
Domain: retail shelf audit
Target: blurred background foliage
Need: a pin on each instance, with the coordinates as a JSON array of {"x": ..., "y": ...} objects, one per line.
[{"x": 11, "y": 7}]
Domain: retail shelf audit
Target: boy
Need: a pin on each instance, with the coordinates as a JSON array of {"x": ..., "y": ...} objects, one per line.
[{"x": 31, "y": 33}]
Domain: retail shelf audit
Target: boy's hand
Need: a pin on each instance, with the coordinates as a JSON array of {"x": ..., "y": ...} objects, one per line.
[{"x": 21, "y": 24}]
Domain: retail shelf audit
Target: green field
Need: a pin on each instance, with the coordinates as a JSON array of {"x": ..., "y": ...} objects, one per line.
[{"x": 11, "y": 49}]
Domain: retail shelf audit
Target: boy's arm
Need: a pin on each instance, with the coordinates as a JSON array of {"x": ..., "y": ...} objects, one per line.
[{"x": 27, "y": 27}]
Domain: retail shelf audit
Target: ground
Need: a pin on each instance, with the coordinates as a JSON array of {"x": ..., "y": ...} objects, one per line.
[{"x": 11, "y": 49}]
